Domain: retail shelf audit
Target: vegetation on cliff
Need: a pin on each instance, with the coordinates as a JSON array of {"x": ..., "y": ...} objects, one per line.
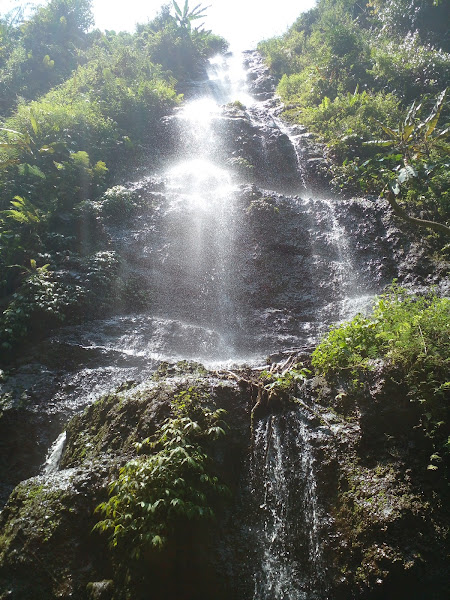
[
  {"x": 371, "y": 72},
  {"x": 155, "y": 493},
  {"x": 411, "y": 335},
  {"x": 145, "y": 464}
]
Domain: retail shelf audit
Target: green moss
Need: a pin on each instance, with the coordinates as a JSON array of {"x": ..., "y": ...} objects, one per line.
[
  {"x": 236, "y": 104},
  {"x": 263, "y": 204},
  {"x": 35, "y": 510}
]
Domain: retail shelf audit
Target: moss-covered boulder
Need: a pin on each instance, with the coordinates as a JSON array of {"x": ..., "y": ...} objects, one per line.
[{"x": 48, "y": 548}]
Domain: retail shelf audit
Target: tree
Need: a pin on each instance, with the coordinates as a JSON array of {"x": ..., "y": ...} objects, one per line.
[{"x": 43, "y": 50}]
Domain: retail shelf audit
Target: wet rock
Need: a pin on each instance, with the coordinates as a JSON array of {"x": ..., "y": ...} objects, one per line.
[
  {"x": 383, "y": 508},
  {"x": 379, "y": 527},
  {"x": 100, "y": 590},
  {"x": 261, "y": 83}
]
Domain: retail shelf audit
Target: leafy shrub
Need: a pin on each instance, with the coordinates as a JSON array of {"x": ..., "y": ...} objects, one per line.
[
  {"x": 284, "y": 54},
  {"x": 46, "y": 299},
  {"x": 101, "y": 281},
  {"x": 155, "y": 494},
  {"x": 118, "y": 203},
  {"x": 181, "y": 50},
  {"x": 409, "y": 332},
  {"x": 409, "y": 68},
  {"x": 426, "y": 17},
  {"x": 401, "y": 329},
  {"x": 323, "y": 54},
  {"x": 287, "y": 381},
  {"x": 115, "y": 205},
  {"x": 344, "y": 64},
  {"x": 43, "y": 50},
  {"x": 349, "y": 119},
  {"x": 38, "y": 305}
]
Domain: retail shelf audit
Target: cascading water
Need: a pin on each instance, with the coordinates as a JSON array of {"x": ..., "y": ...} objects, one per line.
[{"x": 287, "y": 561}]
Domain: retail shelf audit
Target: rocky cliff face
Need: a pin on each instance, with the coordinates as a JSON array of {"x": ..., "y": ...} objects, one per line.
[
  {"x": 225, "y": 256},
  {"x": 346, "y": 509}
]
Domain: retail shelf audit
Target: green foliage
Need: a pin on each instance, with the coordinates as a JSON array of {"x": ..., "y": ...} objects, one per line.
[
  {"x": 117, "y": 204},
  {"x": 58, "y": 153},
  {"x": 401, "y": 329},
  {"x": 323, "y": 54},
  {"x": 410, "y": 333},
  {"x": 43, "y": 50},
  {"x": 408, "y": 67},
  {"x": 39, "y": 304},
  {"x": 156, "y": 494},
  {"x": 287, "y": 381},
  {"x": 43, "y": 299},
  {"x": 345, "y": 64},
  {"x": 422, "y": 152},
  {"x": 181, "y": 50},
  {"x": 21, "y": 229},
  {"x": 429, "y": 18},
  {"x": 184, "y": 18},
  {"x": 345, "y": 122}
]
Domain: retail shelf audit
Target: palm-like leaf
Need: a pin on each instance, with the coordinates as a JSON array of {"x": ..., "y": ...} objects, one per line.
[{"x": 177, "y": 8}]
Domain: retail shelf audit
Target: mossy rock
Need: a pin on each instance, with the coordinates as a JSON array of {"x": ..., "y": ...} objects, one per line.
[{"x": 46, "y": 546}]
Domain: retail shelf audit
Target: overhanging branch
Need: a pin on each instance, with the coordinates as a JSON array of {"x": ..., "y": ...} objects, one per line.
[{"x": 400, "y": 212}]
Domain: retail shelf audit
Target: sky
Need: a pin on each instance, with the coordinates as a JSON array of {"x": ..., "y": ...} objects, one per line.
[{"x": 242, "y": 22}]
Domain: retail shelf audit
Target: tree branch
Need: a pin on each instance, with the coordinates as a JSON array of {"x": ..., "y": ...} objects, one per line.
[{"x": 400, "y": 212}]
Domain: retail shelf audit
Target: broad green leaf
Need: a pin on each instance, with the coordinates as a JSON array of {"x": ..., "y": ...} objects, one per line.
[
  {"x": 391, "y": 132},
  {"x": 413, "y": 110},
  {"x": 431, "y": 122},
  {"x": 11, "y": 131},
  {"x": 442, "y": 134},
  {"x": 157, "y": 541},
  {"x": 177, "y": 8},
  {"x": 45, "y": 149},
  {"x": 407, "y": 131},
  {"x": 34, "y": 124}
]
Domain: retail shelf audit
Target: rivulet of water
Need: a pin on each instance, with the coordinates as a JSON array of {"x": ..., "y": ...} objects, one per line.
[{"x": 288, "y": 560}]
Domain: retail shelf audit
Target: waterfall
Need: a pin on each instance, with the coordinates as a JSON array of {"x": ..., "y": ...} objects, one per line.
[
  {"x": 54, "y": 454},
  {"x": 288, "y": 561},
  {"x": 237, "y": 263}
]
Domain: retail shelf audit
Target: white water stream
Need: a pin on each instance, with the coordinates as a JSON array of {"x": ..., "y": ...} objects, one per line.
[{"x": 289, "y": 561}]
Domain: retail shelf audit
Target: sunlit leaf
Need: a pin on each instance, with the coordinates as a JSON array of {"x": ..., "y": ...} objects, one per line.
[
  {"x": 383, "y": 143},
  {"x": 388, "y": 130},
  {"x": 407, "y": 131},
  {"x": 395, "y": 188},
  {"x": 432, "y": 120},
  {"x": 406, "y": 173}
]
